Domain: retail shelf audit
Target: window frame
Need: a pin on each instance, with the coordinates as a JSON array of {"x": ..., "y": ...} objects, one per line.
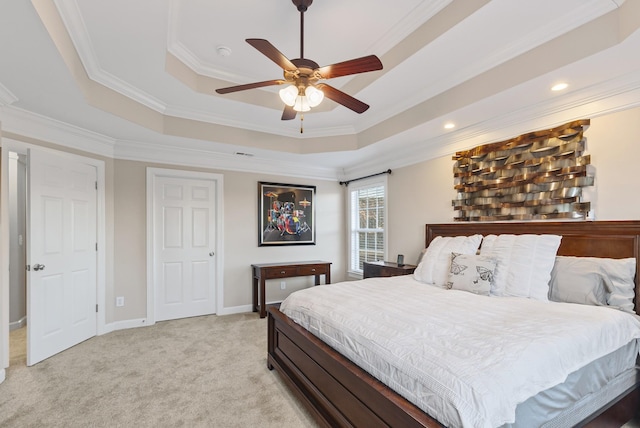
[{"x": 380, "y": 181}]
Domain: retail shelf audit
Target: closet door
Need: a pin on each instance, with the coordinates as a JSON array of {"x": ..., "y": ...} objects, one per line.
[{"x": 61, "y": 253}]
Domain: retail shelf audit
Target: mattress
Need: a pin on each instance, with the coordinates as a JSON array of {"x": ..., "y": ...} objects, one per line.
[
  {"x": 584, "y": 391},
  {"x": 466, "y": 360}
]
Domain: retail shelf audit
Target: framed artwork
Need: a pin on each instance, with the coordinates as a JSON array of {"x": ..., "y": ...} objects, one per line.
[{"x": 286, "y": 214}]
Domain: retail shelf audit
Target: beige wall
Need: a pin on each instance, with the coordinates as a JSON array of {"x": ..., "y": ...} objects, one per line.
[
  {"x": 418, "y": 194},
  {"x": 240, "y": 236},
  {"x": 422, "y": 193}
]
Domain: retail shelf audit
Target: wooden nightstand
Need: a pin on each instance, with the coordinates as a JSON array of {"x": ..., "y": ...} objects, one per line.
[{"x": 377, "y": 269}]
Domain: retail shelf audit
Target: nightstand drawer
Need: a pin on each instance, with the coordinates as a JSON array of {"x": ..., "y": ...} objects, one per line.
[
  {"x": 280, "y": 272},
  {"x": 312, "y": 270}
]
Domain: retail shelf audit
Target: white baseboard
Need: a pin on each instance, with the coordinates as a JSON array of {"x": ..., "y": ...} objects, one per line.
[
  {"x": 241, "y": 309},
  {"x": 2, "y": 375},
  {"x": 142, "y": 322},
  {"x": 18, "y": 324},
  {"x": 235, "y": 310},
  {"x": 123, "y": 325}
]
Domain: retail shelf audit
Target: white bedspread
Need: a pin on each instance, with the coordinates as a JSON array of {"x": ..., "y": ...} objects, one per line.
[{"x": 465, "y": 359}]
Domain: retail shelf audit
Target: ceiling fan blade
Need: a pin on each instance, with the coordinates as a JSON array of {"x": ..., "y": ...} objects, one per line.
[
  {"x": 288, "y": 113},
  {"x": 353, "y": 66},
  {"x": 272, "y": 53},
  {"x": 250, "y": 86},
  {"x": 342, "y": 98}
]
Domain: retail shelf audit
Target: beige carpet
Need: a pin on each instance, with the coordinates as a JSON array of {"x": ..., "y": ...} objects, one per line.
[{"x": 197, "y": 372}]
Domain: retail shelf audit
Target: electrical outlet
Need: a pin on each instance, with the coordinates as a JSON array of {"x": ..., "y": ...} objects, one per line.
[
  {"x": 120, "y": 301},
  {"x": 283, "y": 285}
]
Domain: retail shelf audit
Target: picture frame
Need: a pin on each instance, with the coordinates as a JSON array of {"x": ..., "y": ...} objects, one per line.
[{"x": 286, "y": 214}]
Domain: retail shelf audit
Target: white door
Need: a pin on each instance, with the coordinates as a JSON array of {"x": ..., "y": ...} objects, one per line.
[
  {"x": 62, "y": 254},
  {"x": 184, "y": 237}
]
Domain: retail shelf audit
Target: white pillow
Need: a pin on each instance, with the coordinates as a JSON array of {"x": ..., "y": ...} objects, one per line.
[
  {"x": 594, "y": 281},
  {"x": 523, "y": 263},
  {"x": 434, "y": 266}
]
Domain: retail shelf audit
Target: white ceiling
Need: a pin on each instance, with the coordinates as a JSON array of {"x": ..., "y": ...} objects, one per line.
[{"x": 138, "y": 77}]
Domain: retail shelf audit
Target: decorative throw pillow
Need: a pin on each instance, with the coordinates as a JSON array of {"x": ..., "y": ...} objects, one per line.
[
  {"x": 470, "y": 272},
  {"x": 523, "y": 263},
  {"x": 594, "y": 281},
  {"x": 434, "y": 266}
]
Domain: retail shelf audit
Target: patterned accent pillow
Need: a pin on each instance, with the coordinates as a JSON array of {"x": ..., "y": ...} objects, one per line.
[{"x": 470, "y": 272}]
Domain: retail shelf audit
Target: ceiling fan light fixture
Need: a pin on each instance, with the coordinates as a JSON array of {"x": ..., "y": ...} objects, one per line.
[
  {"x": 301, "y": 104},
  {"x": 288, "y": 95},
  {"x": 314, "y": 96},
  {"x": 300, "y": 75}
]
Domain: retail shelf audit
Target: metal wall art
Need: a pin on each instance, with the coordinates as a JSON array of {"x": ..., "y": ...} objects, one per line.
[{"x": 535, "y": 176}]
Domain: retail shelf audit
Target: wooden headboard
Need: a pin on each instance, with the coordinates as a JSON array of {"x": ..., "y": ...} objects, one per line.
[{"x": 613, "y": 239}]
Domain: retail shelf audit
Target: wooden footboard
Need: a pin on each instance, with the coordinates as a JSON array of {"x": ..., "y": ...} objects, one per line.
[
  {"x": 340, "y": 394},
  {"x": 336, "y": 391}
]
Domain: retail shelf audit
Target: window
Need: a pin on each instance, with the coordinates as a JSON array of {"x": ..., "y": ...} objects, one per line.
[{"x": 367, "y": 225}]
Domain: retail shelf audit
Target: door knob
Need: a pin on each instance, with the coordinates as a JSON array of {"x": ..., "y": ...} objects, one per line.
[
  {"x": 211, "y": 254},
  {"x": 38, "y": 267}
]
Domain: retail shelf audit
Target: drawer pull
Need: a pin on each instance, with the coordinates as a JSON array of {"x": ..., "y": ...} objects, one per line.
[
  {"x": 283, "y": 272},
  {"x": 313, "y": 270}
]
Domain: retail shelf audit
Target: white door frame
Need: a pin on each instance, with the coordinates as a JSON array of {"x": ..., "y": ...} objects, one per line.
[
  {"x": 152, "y": 174},
  {"x": 10, "y": 145}
]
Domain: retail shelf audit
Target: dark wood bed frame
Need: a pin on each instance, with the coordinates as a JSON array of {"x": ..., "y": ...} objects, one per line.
[{"x": 340, "y": 394}]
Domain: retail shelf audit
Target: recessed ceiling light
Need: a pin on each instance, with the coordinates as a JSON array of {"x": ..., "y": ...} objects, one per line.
[
  {"x": 449, "y": 125},
  {"x": 559, "y": 86}
]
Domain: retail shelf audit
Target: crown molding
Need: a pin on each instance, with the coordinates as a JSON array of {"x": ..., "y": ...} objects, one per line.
[
  {"x": 208, "y": 117},
  {"x": 610, "y": 97},
  {"x": 189, "y": 59},
  {"x": 557, "y": 27},
  {"x": 184, "y": 54},
  {"x": 28, "y": 124},
  {"x": 198, "y": 158},
  {"x": 31, "y": 125},
  {"x": 74, "y": 23},
  {"x": 407, "y": 25},
  {"x": 6, "y": 96}
]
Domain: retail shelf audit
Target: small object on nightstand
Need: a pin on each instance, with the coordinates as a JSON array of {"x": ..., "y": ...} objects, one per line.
[
  {"x": 380, "y": 269},
  {"x": 400, "y": 260}
]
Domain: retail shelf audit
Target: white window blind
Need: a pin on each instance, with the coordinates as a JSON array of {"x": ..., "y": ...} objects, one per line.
[{"x": 367, "y": 207}]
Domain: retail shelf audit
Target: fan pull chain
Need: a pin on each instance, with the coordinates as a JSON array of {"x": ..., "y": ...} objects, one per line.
[{"x": 301, "y": 123}]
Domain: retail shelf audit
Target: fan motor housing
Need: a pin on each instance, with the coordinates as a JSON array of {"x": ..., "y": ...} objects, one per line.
[
  {"x": 302, "y": 5},
  {"x": 304, "y": 64}
]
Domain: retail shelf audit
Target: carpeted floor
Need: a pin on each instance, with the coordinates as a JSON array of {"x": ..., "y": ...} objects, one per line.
[{"x": 196, "y": 372}]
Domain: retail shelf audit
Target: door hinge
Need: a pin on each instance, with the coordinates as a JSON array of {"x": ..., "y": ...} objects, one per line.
[
  {"x": 96, "y": 246},
  {"x": 28, "y": 268},
  {"x": 96, "y": 307},
  {"x": 96, "y": 185}
]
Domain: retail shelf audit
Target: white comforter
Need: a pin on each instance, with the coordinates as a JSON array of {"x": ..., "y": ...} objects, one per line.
[{"x": 466, "y": 360}]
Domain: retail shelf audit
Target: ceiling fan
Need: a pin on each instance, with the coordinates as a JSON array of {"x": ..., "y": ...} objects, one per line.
[{"x": 303, "y": 75}]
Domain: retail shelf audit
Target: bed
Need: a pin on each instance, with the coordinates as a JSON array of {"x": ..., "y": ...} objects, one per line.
[{"x": 340, "y": 393}]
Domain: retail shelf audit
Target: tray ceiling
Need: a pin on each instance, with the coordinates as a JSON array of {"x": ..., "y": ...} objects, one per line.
[{"x": 141, "y": 75}]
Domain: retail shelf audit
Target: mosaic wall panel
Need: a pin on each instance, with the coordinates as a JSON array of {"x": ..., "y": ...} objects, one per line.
[{"x": 535, "y": 176}]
